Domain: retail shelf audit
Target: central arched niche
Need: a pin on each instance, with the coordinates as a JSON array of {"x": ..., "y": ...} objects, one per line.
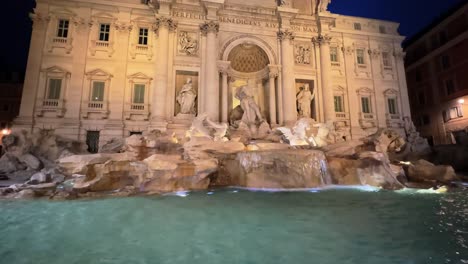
[{"x": 248, "y": 58}]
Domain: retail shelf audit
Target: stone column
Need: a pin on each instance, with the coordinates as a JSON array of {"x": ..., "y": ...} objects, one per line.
[
  {"x": 328, "y": 99},
  {"x": 210, "y": 30},
  {"x": 25, "y": 119},
  {"x": 272, "y": 93},
  {"x": 287, "y": 72},
  {"x": 223, "y": 67},
  {"x": 400, "y": 66},
  {"x": 158, "y": 104}
]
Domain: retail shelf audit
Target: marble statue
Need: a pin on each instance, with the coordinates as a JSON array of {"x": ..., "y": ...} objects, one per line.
[
  {"x": 298, "y": 136},
  {"x": 416, "y": 142},
  {"x": 186, "y": 98},
  {"x": 202, "y": 126},
  {"x": 284, "y": 3},
  {"x": 304, "y": 99},
  {"x": 188, "y": 45},
  {"x": 323, "y": 5},
  {"x": 249, "y": 106}
]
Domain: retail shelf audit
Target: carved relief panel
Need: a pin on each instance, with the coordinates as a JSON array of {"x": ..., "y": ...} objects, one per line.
[
  {"x": 303, "y": 53},
  {"x": 188, "y": 43}
]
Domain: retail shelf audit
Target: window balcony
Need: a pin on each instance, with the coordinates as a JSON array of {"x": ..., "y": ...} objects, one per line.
[
  {"x": 95, "y": 107},
  {"x": 394, "y": 120},
  {"x": 50, "y": 105},
  {"x": 134, "y": 109},
  {"x": 341, "y": 115},
  {"x": 60, "y": 43},
  {"x": 367, "y": 120},
  {"x": 138, "y": 49},
  {"x": 104, "y": 46}
]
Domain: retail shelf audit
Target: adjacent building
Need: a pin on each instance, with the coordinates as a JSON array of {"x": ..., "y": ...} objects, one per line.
[
  {"x": 437, "y": 72},
  {"x": 102, "y": 69},
  {"x": 11, "y": 86}
]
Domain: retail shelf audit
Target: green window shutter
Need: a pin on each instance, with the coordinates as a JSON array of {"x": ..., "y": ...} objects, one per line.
[
  {"x": 55, "y": 86},
  {"x": 139, "y": 94},
  {"x": 365, "y": 105},
  {"x": 338, "y": 104},
  {"x": 98, "y": 92}
]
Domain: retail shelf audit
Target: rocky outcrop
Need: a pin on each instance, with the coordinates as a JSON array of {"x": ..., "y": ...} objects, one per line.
[
  {"x": 424, "y": 171},
  {"x": 371, "y": 168}
]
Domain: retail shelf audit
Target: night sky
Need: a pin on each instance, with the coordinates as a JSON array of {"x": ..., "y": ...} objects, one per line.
[{"x": 413, "y": 15}]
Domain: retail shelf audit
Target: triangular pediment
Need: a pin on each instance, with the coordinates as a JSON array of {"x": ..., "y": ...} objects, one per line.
[
  {"x": 104, "y": 15},
  {"x": 99, "y": 72},
  {"x": 364, "y": 90},
  {"x": 140, "y": 75},
  {"x": 55, "y": 69},
  {"x": 63, "y": 12},
  {"x": 143, "y": 20},
  {"x": 391, "y": 91}
]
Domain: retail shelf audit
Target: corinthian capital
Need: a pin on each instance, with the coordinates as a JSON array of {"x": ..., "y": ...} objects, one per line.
[
  {"x": 209, "y": 27},
  {"x": 285, "y": 34},
  {"x": 321, "y": 39},
  {"x": 167, "y": 22}
]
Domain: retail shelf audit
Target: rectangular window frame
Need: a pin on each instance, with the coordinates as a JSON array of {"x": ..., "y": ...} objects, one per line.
[
  {"x": 360, "y": 57},
  {"x": 334, "y": 55},
  {"x": 104, "y": 32},
  {"x": 143, "y": 34},
  {"x": 339, "y": 103},
  {"x": 392, "y": 106},
  {"x": 449, "y": 85},
  {"x": 357, "y": 26},
  {"x": 382, "y": 29},
  {"x": 96, "y": 95},
  {"x": 366, "y": 105},
  {"x": 54, "y": 88},
  {"x": 63, "y": 28},
  {"x": 139, "y": 93},
  {"x": 386, "y": 60}
]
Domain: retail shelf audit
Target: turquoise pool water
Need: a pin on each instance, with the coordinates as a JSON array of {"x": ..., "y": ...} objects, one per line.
[{"x": 238, "y": 226}]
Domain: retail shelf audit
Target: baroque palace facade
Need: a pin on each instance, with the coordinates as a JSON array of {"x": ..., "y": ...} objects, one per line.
[{"x": 102, "y": 69}]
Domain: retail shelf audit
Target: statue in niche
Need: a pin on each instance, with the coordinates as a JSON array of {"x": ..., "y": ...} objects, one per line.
[
  {"x": 304, "y": 100},
  {"x": 188, "y": 45},
  {"x": 186, "y": 98},
  {"x": 302, "y": 54},
  {"x": 249, "y": 106}
]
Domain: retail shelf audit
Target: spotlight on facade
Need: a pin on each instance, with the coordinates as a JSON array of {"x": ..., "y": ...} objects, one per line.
[{"x": 461, "y": 101}]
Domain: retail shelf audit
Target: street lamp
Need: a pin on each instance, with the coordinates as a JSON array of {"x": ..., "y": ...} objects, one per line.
[{"x": 461, "y": 101}]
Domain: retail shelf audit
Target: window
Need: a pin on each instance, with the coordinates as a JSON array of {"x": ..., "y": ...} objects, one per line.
[
  {"x": 421, "y": 98},
  {"x": 62, "y": 31},
  {"x": 392, "y": 106},
  {"x": 442, "y": 37},
  {"x": 387, "y": 63},
  {"x": 382, "y": 29},
  {"x": 452, "y": 113},
  {"x": 104, "y": 31},
  {"x": 365, "y": 104},
  {"x": 55, "y": 85},
  {"x": 139, "y": 94},
  {"x": 426, "y": 120},
  {"x": 135, "y": 133},
  {"x": 418, "y": 76},
  {"x": 357, "y": 26},
  {"x": 339, "y": 104},
  {"x": 143, "y": 36},
  {"x": 97, "y": 94},
  {"x": 334, "y": 54},
  {"x": 360, "y": 56},
  {"x": 445, "y": 62},
  {"x": 449, "y": 87}
]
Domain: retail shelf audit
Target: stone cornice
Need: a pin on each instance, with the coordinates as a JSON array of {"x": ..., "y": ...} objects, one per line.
[{"x": 209, "y": 27}]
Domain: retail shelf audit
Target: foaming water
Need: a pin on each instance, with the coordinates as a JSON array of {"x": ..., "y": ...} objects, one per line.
[{"x": 325, "y": 226}]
